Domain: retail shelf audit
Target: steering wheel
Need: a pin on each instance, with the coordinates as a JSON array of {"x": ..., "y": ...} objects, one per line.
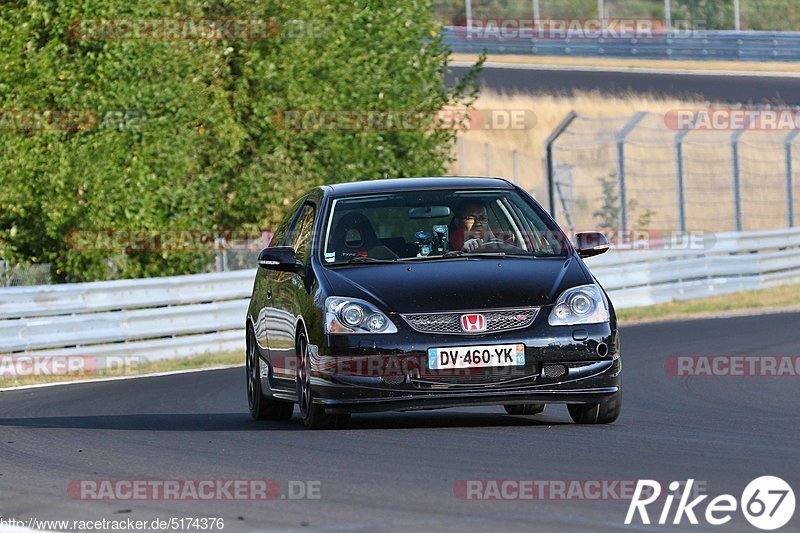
[{"x": 496, "y": 244}]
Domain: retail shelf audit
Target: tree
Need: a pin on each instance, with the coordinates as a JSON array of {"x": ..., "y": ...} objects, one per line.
[
  {"x": 177, "y": 134},
  {"x": 609, "y": 214}
]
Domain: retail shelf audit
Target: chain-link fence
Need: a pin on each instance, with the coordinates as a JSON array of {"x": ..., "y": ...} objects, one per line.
[
  {"x": 475, "y": 158},
  {"x": 762, "y": 15},
  {"x": 239, "y": 254},
  {"x": 23, "y": 275},
  {"x": 641, "y": 171}
]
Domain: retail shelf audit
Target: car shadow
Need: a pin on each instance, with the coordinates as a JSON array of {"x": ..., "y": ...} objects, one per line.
[
  {"x": 243, "y": 422},
  {"x": 145, "y": 422}
]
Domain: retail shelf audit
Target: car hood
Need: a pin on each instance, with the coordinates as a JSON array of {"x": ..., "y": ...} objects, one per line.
[{"x": 458, "y": 284}]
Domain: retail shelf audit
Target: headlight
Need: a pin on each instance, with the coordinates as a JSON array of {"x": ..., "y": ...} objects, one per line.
[
  {"x": 351, "y": 315},
  {"x": 579, "y": 305}
]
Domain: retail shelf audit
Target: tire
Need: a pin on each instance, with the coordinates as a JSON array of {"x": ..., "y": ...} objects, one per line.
[
  {"x": 314, "y": 415},
  {"x": 524, "y": 409},
  {"x": 261, "y": 407},
  {"x": 604, "y": 412}
]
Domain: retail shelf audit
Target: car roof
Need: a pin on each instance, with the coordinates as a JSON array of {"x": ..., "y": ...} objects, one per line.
[{"x": 404, "y": 184}]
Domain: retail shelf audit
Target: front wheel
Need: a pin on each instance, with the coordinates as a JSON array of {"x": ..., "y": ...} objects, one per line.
[
  {"x": 261, "y": 407},
  {"x": 314, "y": 415},
  {"x": 604, "y": 412}
]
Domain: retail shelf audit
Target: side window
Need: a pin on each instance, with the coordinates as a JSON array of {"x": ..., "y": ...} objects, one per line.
[
  {"x": 279, "y": 237},
  {"x": 303, "y": 233}
]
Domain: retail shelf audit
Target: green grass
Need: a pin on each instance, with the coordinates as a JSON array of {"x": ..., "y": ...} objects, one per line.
[
  {"x": 776, "y": 298},
  {"x": 143, "y": 368}
]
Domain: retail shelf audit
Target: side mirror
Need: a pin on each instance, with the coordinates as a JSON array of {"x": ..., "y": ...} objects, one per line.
[
  {"x": 591, "y": 243},
  {"x": 280, "y": 258}
]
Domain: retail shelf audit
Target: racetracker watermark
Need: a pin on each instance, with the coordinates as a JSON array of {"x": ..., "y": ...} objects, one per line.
[
  {"x": 175, "y": 523},
  {"x": 550, "y": 489},
  {"x": 24, "y": 365},
  {"x": 203, "y": 29},
  {"x": 70, "y": 120},
  {"x": 366, "y": 120},
  {"x": 168, "y": 240},
  {"x": 732, "y": 119},
  {"x": 733, "y": 366},
  {"x": 47, "y": 120},
  {"x": 510, "y": 29},
  {"x": 396, "y": 369},
  {"x": 652, "y": 239},
  {"x": 193, "y": 489}
]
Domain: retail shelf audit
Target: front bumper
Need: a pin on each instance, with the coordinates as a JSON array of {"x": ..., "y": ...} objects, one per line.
[{"x": 368, "y": 373}]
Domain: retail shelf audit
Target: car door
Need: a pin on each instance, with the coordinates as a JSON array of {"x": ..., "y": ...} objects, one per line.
[
  {"x": 264, "y": 310},
  {"x": 290, "y": 296}
]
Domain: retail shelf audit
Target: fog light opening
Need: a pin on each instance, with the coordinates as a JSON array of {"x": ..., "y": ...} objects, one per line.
[
  {"x": 555, "y": 371},
  {"x": 602, "y": 349}
]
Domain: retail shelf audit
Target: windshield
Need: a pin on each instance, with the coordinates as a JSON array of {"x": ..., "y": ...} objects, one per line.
[{"x": 437, "y": 224}]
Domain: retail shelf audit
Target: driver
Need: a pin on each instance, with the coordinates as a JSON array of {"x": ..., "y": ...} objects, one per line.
[{"x": 470, "y": 227}]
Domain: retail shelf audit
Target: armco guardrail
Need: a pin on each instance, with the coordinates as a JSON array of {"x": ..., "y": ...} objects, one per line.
[
  {"x": 709, "y": 265},
  {"x": 154, "y": 318},
  {"x": 696, "y": 44},
  {"x": 189, "y": 315}
]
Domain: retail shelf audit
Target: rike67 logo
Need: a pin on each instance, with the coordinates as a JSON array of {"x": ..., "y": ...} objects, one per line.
[{"x": 767, "y": 503}]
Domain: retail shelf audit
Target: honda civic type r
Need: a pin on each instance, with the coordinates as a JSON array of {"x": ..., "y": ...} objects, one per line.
[{"x": 428, "y": 293}]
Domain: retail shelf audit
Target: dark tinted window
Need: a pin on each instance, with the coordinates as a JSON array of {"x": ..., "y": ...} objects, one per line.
[
  {"x": 302, "y": 234},
  {"x": 421, "y": 224},
  {"x": 279, "y": 238}
]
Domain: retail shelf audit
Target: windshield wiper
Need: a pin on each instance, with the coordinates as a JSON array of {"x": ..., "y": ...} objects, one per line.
[
  {"x": 365, "y": 259},
  {"x": 455, "y": 253},
  {"x": 451, "y": 254}
]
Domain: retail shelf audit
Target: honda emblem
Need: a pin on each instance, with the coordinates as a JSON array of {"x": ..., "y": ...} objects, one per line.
[{"x": 473, "y": 322}]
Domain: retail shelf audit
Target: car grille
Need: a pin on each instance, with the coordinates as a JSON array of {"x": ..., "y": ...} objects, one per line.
[{"x": 450, "y": 323}]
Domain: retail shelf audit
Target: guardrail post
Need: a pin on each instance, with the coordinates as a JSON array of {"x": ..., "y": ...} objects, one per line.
[
  {"x": 737, "y": 19},
  {"x": 737, "y": 190},
  {"x": 551, "y": 195},
  {"x": 790, "y": 178},
  {"x": 623, "y": 196},
  {"x": 737, "y": 193},
  {"x": 218, "y": 255},
  {"x": 601, "y": 14},
  {"x": 679, "y": 178},
  {"x": 468, "y": 9},
  {"x": 221, "y": 246}
]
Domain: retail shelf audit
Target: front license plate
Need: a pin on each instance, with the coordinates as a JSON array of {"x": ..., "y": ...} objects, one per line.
[{"x": 476, "y": 356}]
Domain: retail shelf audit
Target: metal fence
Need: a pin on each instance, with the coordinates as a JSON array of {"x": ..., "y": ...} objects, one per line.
[
  {"x": 181, "y": 316},
  {"x": 636, "y": 172},
  {"x": 681, "y": 268},
  {"x": 153, "y": 318},
  {"x": 769, "y": 15},
  {"x": 20, "y": 275},
  {"x": 690, "y": 45},
  {"x": 227, "y": 256},
  {"x": 488, "y": 159}
]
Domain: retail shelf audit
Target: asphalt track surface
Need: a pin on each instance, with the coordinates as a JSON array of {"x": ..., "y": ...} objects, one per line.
[
  {"x": 397, "y": 471},
  {"x": 711, "y": 87}
]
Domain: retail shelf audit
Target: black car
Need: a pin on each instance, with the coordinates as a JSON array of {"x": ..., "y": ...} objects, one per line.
[{"x": 427, "y": 293}]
